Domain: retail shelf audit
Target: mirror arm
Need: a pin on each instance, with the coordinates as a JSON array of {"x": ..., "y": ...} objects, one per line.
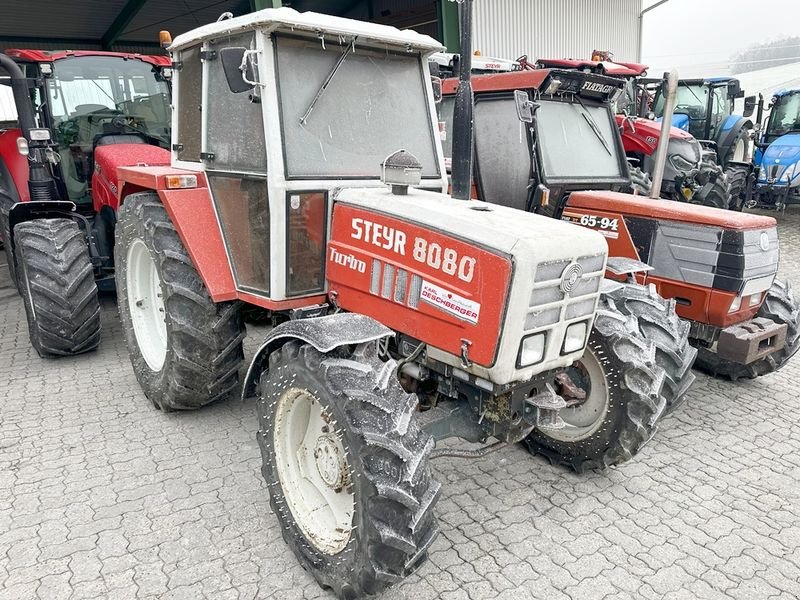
[{"x": 243, "y": 68}]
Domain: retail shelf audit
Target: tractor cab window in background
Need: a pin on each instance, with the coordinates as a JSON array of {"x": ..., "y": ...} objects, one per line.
[
  {"x": 374, "y": 103},
  {"x": 722, "y": 107},
  {"x": 785, "y": 116},
  {"x": 92, "y": 97},
  {"x": 692, "y": 101}
]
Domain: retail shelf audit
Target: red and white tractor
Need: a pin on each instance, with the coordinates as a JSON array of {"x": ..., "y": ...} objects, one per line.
[
  {"x": 80, "y": 115},
  {"x": 307, "y": 179}
]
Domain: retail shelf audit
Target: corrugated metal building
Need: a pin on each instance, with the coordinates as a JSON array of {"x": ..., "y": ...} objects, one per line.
[{"x": 557, "y": 28}]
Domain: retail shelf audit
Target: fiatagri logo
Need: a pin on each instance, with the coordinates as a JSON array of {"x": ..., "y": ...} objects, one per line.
[{"x": 450, "y": 302}]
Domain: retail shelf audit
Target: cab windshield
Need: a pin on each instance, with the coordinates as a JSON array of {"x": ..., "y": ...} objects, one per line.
[
  {"x": 691, "y": 100},
  {"x": 90, "y": 97},
  {"x": 577, "y": 141},
  {"x": 785, "y": 116},
  {"x": 344, "y": 109}
]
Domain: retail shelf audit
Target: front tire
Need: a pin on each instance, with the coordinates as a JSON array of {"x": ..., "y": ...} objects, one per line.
[
  {"x": 56, "y": 281},
  {"x": 658, "y": 322},
  {"x": 715, "y": 190},
  {"x": 780, "y": 306},
  {"x": 185, "y": 349},
  {"x": 737, "y": 180},
  {"x": 346, "y": 466},
  {"x": 622, "y": 382}
]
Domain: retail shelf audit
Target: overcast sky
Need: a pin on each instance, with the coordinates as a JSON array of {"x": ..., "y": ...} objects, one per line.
[{"x": 699, "y": 37}]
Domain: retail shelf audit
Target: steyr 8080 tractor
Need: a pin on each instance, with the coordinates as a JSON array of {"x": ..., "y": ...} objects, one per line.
[
  {"x": 718, "y": 267},
  {"x": 80, "y": 116},
  {"x": 394, "y": 298}
]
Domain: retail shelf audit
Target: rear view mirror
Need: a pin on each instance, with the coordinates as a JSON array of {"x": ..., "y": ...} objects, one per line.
[
  {"x": 749, "y": 106},
  {"x": 233, "y": 60},
  {"x": 436, "y": 82},
  {"x": 525, "y": 107}
]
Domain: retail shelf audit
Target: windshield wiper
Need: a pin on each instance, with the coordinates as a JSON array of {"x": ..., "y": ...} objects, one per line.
[
  {"x": 593, "y": 126},
  {"x": 328, "y": 79}
]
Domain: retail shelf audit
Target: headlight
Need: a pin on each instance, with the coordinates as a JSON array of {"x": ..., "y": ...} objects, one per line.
[
  {"x": 680, "y": 163},
  {"x": 531, "y": 351},
  {"x": 575, "y": 338},
  {"x": 735, "y": 305},
  {"x": 755, "y": 299},
  {"x": 789, "y": 173}
]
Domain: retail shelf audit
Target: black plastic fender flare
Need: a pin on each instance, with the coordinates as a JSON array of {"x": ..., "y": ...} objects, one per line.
[
  {"x": 323, "y": 333},
  {"x": 38, "y": 209}
]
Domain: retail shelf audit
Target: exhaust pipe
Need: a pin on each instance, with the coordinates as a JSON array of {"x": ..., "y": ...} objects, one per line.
[
  {"x": 41, "y": 184},
  {"x": 461, "y": 166},
  {"x": 670, "y": 91}
]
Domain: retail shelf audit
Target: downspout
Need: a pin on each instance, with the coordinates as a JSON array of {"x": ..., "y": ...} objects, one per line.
[{"x": 461, "y": 165}]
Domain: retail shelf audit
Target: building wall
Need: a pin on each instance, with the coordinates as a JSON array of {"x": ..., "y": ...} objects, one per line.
[{"x": 557, "y": 28}]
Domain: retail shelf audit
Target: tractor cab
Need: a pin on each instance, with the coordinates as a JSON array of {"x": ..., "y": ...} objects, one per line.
[
  {"x": 93, "y": 100},
  {"x": 704, "y": 108},
  {"x": 572, "y": 133}
]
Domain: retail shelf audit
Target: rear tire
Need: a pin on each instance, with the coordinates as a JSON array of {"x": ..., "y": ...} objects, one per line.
[
  {"x": 780, "y": 306},
  {"x": 380, "y": 461},
  {"x": 622, "y": 368},
  {"x": 191, "y": 354},
  {"x": 737, "y": 180},
  {"x": 56, "y": 280},
  {"x": 658, "y": 322}
]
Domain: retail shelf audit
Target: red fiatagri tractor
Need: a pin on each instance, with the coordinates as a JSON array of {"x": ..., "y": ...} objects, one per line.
[
  {"x": 306, "y": 178},
  {"x": 80, "y": 116},
  {"x": 718, "y": 267}
]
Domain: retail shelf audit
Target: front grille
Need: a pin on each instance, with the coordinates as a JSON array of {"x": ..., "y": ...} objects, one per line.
[
  {"x": 392, "y": 282},
  {"x": 713, "y": 257},
  {"x": 549, "y": 304}
]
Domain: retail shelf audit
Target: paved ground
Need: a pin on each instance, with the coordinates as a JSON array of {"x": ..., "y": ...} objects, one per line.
[{"x": 101, "y": 496}]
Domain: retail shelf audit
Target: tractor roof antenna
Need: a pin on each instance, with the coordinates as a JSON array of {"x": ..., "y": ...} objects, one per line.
[{"x": 461, "y": 167}]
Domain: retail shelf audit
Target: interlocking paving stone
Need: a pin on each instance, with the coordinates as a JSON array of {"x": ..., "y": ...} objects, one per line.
[{"x": 102, "y": 496}]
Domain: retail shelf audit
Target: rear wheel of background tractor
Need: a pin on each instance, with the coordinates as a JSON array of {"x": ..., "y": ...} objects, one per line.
[
  {"x": 346, "y": 465},
  {"x": 780, "y": 306},
  {"x": 5, "y": 232},
  {"x": 186, "y": 350},
  {"x": 56, "y": 281},
  {"x": 658, "y": 322},
  {"x": 641, "y": 183},
  {"x": 622, "y": 385},
  {"x": 715, "y": 190},
  {"x": 737, "y": 180}
]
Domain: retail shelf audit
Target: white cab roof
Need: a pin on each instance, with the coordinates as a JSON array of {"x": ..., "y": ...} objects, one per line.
[{"x": 285, "y": 18}]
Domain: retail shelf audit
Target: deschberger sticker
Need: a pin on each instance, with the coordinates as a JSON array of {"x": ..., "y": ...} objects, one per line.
[{"x": 450, "y": 302}]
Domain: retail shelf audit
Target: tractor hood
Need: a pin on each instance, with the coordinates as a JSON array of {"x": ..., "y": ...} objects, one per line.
[
  {"x": 779, "y": 161},
  {"x": 105, "y": 180},
  {"x": 645, "y": 135}
]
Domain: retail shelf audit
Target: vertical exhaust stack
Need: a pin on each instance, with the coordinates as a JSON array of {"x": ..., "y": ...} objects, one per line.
[
  {"x": 660, "y": 158},
  {"x": 461, "y": 167},
  {"x": 41, "y": 185}
]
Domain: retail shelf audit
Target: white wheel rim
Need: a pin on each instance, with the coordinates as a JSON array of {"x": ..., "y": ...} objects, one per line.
[
  {"x": 313, "y": 471},
  {"x": 146, "y": 305},
  {"x": 584, "y": 419},
  {"x": 739, "y": 152}
]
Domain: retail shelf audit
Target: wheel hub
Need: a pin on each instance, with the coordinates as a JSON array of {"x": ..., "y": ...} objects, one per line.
[{"x": 331, "y": 462}]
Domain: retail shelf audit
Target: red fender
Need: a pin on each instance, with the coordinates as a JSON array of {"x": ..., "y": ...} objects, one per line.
[{"x": 16, "y": 163}]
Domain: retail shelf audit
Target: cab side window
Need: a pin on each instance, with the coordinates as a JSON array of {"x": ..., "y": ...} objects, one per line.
[{"x": 190, "y": 86}]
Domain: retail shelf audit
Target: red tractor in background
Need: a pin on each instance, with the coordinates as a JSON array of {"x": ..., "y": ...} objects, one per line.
[
  {"x": 717, "y": 266},
  {"x": 690, "y": 175},
  {"x": 81, "y": 114}
]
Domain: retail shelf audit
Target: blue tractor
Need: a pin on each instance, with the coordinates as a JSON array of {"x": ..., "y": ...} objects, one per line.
[
  {"x": 775, "y": 179},
  {"x": 704, "y": 108}
]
